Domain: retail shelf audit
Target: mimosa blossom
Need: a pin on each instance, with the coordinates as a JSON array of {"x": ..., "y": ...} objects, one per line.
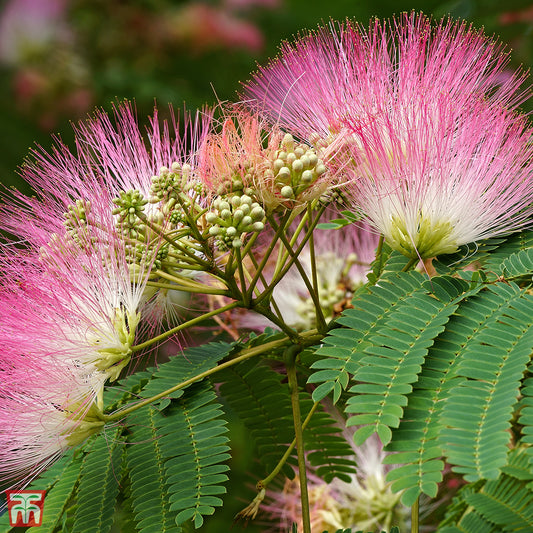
[
  {"x": 251, "y": 156},
  {"x": 425, "y": 125},
  {"x": 365, "y": 503}
]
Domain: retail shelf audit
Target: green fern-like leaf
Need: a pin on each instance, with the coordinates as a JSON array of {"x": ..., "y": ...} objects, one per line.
[
  {"x": 526, "y": 418},
  {"x": 477, "y": 413},
  {"x": 503, "y": 504},
  {"x": 392, "y": 358},
  {"x": 182, "y": 367},
  {"x": 59, "y": 494},
  {"x": 146, "y": 463},
  {"x": 343, "y": 348},
  {"x": 518, "y": 264},
  {"x": 98, "y": 488},
  {"x": 194, "y": 446},
  {"x": 416, "y": 440},
  {"x": 499, "y": 257},
  {"x": 327, "y": 450},
  {"x": 467, "y": 254},
  {"x": 262, "y": 402}
]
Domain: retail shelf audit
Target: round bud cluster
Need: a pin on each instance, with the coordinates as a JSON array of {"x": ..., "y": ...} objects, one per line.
[
  {"x": 77, "y": 214},
  {"x": 232, "y": 217},
  {"x": 130, "y": 204},
  {"x": 329, "y": 298},
  {"x": 295, "y": 168},
  {"x": 169, "y": 182}
]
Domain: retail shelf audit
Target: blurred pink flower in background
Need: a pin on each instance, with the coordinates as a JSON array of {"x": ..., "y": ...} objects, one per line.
[
  {"x": 49, "y": 77},
  {"x": 203, "y": 27},
  {"x": 365, "y": 503}
]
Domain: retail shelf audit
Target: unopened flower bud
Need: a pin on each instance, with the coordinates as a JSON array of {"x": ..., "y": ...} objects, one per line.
[
  {"x": 278, "y": 163},
  {"x": 297, "y": 166},
  {"x": 258, "y": 226},
  {"x": 307, "y": 176},
  {"x": 287, "y": 192},
  {"x": 257, "y": 213}
]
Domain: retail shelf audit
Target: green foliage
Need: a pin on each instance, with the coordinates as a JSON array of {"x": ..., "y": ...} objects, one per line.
[
  {"x": 503, "y": 504},
  {"x": 183, "y": 367},
  {"x": 194, "y": 445},
  {"x": 149, "y": 493},
  {"x": 262, "y": 402},
  {"x": 58, "y": 495},
  {"x": 494, "y": 363},
  {"x": 383, "y": 346},
  {"x": 101, "y": 471}
]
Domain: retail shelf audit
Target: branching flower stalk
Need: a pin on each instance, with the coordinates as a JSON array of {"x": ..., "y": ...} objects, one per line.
[
  {"x": 312, "y": 292},
  {"x": 295, "y": 253}
]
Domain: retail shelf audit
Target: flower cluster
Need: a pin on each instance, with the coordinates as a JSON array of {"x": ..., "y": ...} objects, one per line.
[
  {"x": 409, "y": 124},
  {"x": 365, "y": 503},
  {"x": 435, "y": 153}
]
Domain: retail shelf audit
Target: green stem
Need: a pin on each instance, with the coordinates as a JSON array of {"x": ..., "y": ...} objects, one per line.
[
  {"x": 410, "y": 264},
  {"x": 247, "y": 353},
  {"x": 263, "y": 280},
  {"x": 319, "y": 315},
  {"x": 265, "y": 482},
  {"x": 414, "y": 516},
  {"x": 283, "y": 255},
  {"x": 279, "y": 277},
  {"x": 245, "y": 297},
  {"x": 290, "y": 362},
  {"x": 266, "y": 312},
  {"x": 185, "y": 325},
  {"x": 321, "y": 322},
  {"x": 267, "y": 254},
  {"x": 183, "y": 288},
  {"x": 181, "y": 280},
  {"x": 172, "y": 242}
]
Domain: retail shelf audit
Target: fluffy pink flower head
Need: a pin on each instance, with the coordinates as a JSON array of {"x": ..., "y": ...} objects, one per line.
[
  {"x": 42, "y": 416},
  {"x": 345, "y": 69},
  {"x": 85, "y": 309},
  {"x": 89, "y": 200},
  {"x": 431, "y": 179},
  {"x": 427, "y": 126},
  {"x": 249, "y": 155}
]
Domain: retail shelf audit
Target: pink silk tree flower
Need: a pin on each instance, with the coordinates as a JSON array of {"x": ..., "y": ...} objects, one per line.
[
  {"x": 41, "y": 417},
  {"x": 426, "y": 127},
  {"x": 430, "y": 179},
  {"x": 84, "y": 197},
  {"x": 85, "y": 310},
  {"x": 365, "y": 503},
  {"x": 345, "y": 69}
]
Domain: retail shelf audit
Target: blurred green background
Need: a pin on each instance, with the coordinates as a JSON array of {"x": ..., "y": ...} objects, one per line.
[{"x": 59, "y": 59}]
